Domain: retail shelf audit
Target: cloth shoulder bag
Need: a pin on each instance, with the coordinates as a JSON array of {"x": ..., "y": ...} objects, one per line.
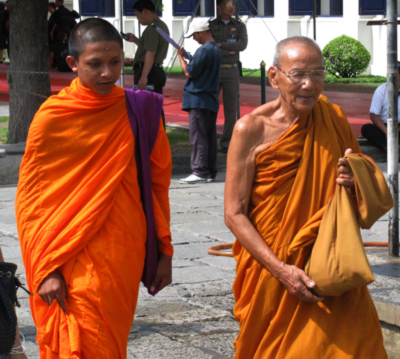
[
  {"x": 144, "y": 111},
  {"x": 338, "y": 262}
]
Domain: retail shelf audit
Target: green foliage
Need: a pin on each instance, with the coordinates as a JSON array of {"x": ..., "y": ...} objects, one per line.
[
  {"x": 364, "y": 79},
  {"x": 3, "y": 135},
  {"x": 4, "y": 118},
  {"x": 177, "y": 136},
  {"x": 346, "y": 57}
]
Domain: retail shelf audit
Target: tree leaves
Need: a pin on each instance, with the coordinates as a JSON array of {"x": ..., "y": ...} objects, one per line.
[{"x": 346, "y": 57}]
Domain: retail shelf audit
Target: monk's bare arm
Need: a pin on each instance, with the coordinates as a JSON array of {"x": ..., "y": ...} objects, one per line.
[
  {"x": 247, "y": 137},
  {"x": 248, "y": 140}
]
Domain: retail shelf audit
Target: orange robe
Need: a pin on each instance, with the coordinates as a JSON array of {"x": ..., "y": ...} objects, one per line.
[
  {"x": 79, "y": 212},
  {"x": 294, "y": 180}
]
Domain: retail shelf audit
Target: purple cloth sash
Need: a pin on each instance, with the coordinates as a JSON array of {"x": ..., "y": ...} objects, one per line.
[{"x": 144, "y": 111}]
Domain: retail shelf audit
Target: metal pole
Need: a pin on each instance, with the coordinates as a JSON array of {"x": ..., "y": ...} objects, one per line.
[
  {"x": 237, "y": 11},
  {"x": 121, "y": 28},
  {"x": 263, "y": 83},
  {"x": 392, "y": 127},
  {"x": 314, "y": 15}
]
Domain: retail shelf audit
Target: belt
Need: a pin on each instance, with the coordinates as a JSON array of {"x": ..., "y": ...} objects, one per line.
[
  {"x": 228, "y": 66},
  {"x": 141, "y": 64}
]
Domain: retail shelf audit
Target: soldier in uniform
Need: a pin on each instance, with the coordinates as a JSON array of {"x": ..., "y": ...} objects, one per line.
[{"x": 231, "y": 37}]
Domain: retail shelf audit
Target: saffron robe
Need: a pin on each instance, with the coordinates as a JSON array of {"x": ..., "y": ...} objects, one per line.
[
  {"x": 294, "y": 180},
  {"x": 79, "y": 212}
]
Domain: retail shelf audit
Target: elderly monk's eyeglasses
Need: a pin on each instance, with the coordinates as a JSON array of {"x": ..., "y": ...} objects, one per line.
[{"x": 299, "y": 76}]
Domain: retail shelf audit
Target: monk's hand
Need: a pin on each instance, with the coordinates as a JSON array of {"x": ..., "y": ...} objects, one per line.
[
  {"x": 345, "y": 176},
  {"x": 297, "y": 283},
  {"x": 164, "y": 273},
  {"x": 54, "y": 287}
]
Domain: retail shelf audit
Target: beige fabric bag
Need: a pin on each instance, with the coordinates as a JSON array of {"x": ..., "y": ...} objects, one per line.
[{"x": 338, "y": 261}]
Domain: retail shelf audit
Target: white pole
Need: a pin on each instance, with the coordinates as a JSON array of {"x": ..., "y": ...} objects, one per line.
[
  {"x": 121, "y": 28},
  {"x": 393, "y": 127}
]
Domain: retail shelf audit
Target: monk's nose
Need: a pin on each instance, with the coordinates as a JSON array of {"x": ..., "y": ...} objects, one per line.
[
  {"x": 106, "y": 71},
  {"x": 307, "y": 81}
]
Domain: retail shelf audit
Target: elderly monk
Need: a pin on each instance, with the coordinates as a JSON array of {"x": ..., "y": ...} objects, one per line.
[
  {"x": 79, "y": 207},
  {"x": 282, "y": 171}
]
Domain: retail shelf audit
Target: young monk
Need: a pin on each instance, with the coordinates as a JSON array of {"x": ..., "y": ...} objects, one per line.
[{"x": 79, "y": 206}]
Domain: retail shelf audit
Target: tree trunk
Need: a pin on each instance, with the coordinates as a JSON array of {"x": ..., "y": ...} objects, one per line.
[{"x": 28, "y": 74}]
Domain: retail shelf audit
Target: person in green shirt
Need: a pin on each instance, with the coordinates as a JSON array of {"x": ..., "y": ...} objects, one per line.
[{"x": 152, "y": 48}]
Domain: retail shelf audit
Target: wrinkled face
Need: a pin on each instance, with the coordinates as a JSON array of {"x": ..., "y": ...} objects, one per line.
[
  {"x": 300, "y": 97},
  {"x": 227, "y": 8},
  {"x": 99, "y": 66}
]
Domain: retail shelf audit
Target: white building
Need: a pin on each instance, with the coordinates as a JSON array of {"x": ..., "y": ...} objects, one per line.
[{"x": 267, "y": 21}]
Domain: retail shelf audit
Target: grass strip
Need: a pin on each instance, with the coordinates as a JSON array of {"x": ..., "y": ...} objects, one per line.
[
  {"x": 177, "y": 136},
  {"x": 4, "y": 118},
  {"x": 3, "y": 135}
]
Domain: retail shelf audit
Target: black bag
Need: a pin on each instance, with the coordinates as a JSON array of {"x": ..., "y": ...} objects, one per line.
[{"x": 8, "y": 298}]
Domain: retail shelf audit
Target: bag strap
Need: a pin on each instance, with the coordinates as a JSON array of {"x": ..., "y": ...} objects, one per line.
[{"x": 144, "y": 111}]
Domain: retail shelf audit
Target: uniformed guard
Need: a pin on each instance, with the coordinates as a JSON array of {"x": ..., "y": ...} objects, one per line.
[{"x": 231, "y": 37}]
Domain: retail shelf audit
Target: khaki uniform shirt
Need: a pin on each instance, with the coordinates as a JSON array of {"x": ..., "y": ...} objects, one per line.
[
  {"x": 151, "y": 40},
  {"x": 232, "y": 37}
]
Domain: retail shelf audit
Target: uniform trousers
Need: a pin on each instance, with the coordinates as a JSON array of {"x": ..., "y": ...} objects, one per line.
[
  {"x": 203, "y": 142},
  {"x": 229, "y": 81},
  {"x": 156, "y": 77}
]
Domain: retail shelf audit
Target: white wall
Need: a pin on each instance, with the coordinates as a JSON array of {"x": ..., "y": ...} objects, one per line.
[{"x": 262, "y": 43}]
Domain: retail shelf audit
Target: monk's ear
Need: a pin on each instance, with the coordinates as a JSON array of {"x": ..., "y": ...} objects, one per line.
[
  {"x": 273, "y": 77},
  {"x": 72, "y": 63}
]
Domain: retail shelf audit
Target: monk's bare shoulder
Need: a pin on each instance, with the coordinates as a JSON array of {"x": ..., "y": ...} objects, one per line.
[{"x": 253, "y": 129}]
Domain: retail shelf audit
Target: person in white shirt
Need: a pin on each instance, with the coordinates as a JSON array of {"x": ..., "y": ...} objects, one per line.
[{"x": 376, "y": 132}]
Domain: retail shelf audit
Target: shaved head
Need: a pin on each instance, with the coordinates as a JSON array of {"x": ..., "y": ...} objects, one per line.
[
  {"x": 90, "y": 31},
  {"x": 298, "y": 40}
]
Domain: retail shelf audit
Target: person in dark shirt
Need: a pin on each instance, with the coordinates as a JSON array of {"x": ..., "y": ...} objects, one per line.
[
  {"x": 3, "y": 36},
  {"x": 7, "y": 26},
  {"x": 67, "y": 22},
  {"x": 60, "y": 12},
  {"x": 231, "y": 37},
  {"x": 59, "y": 53},
  {"x": 200, "y": 99},
  {"x": 50, "y": 23}
]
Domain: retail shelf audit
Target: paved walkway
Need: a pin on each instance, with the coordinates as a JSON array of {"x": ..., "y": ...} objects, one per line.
[{"x": 192, "y": 318}]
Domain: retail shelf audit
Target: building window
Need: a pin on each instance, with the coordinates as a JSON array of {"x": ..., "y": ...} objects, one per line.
[
  {"x": 209, "y": 8},
  {"x": 324, "y": 7},
  {"x": 336, "y": 8},
  {"x": 186, "y": 7},
  {"x": 103, "y": 8},
  {"x": 268, "y": 8},
  {"x": 372, "y": 7},
  {"x": 247, "y": 7},
  {"x": 331, "y": 7},
  {"x": 303, "y": 7},
  {"x": 92, "y": 8},
  {"x": 128, "y": 4},
  {"x": 109, "y": 8}
]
